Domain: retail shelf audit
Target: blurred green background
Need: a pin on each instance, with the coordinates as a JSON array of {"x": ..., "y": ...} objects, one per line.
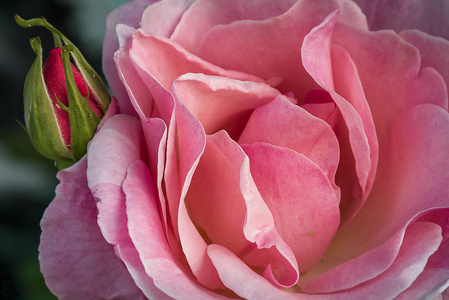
[{"x": 27, "y": 180}]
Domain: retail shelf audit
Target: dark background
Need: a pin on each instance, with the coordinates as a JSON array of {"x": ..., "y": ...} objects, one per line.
[{"x": 27, "y": 180}]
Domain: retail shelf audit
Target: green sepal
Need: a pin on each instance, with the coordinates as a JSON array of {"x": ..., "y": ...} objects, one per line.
[
  {"x": 90, "y": 76},
  {"x": 83, "y": 121},
  {"x": 40, "y": 118},
  {"x": 63, "y": 164}
]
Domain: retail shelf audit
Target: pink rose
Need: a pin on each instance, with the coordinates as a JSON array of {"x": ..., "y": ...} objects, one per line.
[{"x": 263, "y": 150}]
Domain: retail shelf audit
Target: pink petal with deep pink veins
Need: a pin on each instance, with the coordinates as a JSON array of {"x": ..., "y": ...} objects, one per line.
[
  {"x": 359, "y": 132},
  {"x": 221, "y": 103},
  {"x": 205, "y": 14},
  {"x": 428, "y": 16},
  {"x": 411, "y": 260},
  {"x": 269, "y": 252},
  {"x": 76, "y": 261},
  {"x": 347, "y": 84},
  {"x": 217, "y": 207},
  {"x": 411, "y": 181},
  {"x": 162, "y": 17},
  {"x": 260, "y": 228},
  {"x": 432, "y": 50},
  {"x": 166, "y": 61},
  {"x": 300, "y": 130},
  {"x": 257, "y": 48},
  {"x": 214, "y": 200},
  {"x": 129, "y": 14},
  {"x": 300, "y": 198},
  {"x": 383, "y": 58},
  {"x": 147, "y": 234}
]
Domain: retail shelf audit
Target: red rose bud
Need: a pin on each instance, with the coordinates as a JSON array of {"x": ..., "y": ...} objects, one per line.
[
  {"x": 55, "y": 82},
  {"x": 64, "y": 102}
]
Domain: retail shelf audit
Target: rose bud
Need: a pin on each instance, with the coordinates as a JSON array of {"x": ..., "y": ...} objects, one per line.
[{"x": 63, "y": 102}]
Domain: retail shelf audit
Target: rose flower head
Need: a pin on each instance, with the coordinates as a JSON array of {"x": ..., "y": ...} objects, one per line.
[{"x": 264, "y": 149}]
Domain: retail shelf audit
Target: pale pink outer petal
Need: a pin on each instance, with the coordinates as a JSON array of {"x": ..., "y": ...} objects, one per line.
[
  {"x": 162, "y": 17},
  {"x": 284, "y": 124},
  {"x": 121, "y": 141},
  {"x": 147, "y": 234},
  {"x": 360, "y": 134},
  {"x": 433, "y": 51},
  {"x": 205, "y": 14},
  {"x": 221, "y": 103},
  {"x": 129, "y": 14},
  {"x": 411, "y": 260},
  {"x": 428, "y": 16},
  {"x": 300, "y": 198},
  {"x": 412, "y": 181},
  {"x": 76, "y": 261}
]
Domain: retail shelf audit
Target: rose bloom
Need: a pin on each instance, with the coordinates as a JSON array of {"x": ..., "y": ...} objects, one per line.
[{"x": 262, "y": 149}]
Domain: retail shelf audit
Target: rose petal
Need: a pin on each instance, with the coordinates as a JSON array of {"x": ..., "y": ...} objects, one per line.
[
  {"x": 347, "y": 84},
  {"x": 300, "y": 132},
  {"x": 240, "y": 278},
  {"x": 205, "y": 14},
  {"x": 147, "y": 234},
  {"x": 162, "y": 17},
  {"x": 383, "y": 58},
  {"x": 120, "y": 140},
  {"x": 139, "y": 97},
  {"x": 129, "y": 14},
  {"x": 355, "y": 181},
  {"x": 355, "y": 271},
  {"x": 427, "y": 16},
  {"x": 407, "y": 266},
  {"x": 270, "y": 54},
  {"x": 166, "y": 60},
  {"x": 300, "y": 197},
  {"x": 76, "y": 261},
  {"x": 351, "y": 14},
  {"x": 221, "y": 103},
  {"x": 435, "y": 277},
  {"x": 408, "y": 183},
  {"x": 432, "y": 51},
  {"x": 260, "y": 229},
  {"x": 215, "y": 204},
  {"x": 420, "y": 241}
]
